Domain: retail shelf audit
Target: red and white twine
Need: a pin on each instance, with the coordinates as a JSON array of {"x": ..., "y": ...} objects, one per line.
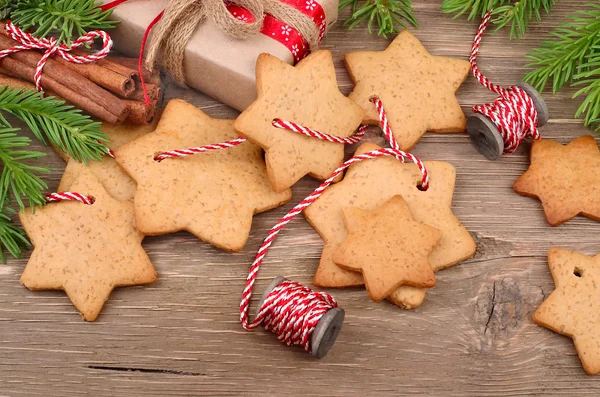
[
  {"x": 291, "y": 310},
  {"x": 51, "y": 47},
  {"x": 286, "y": 125},
  {"x": 69, "y": 196},
  {"x": 514, "y": 112},
  {"x": 200, "y": 149}
]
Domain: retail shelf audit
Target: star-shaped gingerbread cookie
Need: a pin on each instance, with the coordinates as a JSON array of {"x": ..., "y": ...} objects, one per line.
[
  {"x": 573, "y": 308},
  {"x": 85, "y": 250},
  {"x": 566, "y": 179},
  {"x": 116, "y": 182},
  {"x": 388, "y": 247},
  {"x": 212, "y": 195},
  {"x": 306, "y": 94},
  {"x": 416, "y": 88},
  {"x": 367, "y": 185}
]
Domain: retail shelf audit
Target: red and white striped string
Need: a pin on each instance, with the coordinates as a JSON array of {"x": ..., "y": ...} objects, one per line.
[
  {"x": 514, "y": 112},
  {"x": 291, "y": 126},
  {"x": 286, "y": 125},
  {"x": 69, "y": 196},
  {"x": 51, "y": 47},
  {"x": 291, "y": 310}
]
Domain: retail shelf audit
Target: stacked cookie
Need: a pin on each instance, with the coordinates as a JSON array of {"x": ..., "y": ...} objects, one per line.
[{"x": 379, "y": 227}]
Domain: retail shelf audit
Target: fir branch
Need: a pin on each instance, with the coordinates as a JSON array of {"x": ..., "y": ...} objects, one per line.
[
  {"x": 64, "y": 127},
  {"x": 572, "y": 58},
  {"x": 12, "y": 238},
  {"x": 70, "y": 18},
  {"x": 19, "y": 180},
  {"x": 387, "y": 14},
  {"x": 6, "y": 7},
  {"x": 515, "y": 13}
]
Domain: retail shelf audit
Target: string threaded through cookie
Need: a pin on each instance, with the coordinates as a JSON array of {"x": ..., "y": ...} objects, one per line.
[
  {"x": 69, "y": 196},
  {"x": 290, "y": 311},
  {"x": 286, "y": 125},
  {"x": 514, "y": 112}
]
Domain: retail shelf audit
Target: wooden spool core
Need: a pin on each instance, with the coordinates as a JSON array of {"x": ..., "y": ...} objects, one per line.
[
  {"x": 485, "y": 135},
  {"x": 327, "y": 329}
]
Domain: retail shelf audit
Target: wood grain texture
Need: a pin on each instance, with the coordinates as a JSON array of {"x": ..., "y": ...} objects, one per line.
[{"x": 473, "y": 336}]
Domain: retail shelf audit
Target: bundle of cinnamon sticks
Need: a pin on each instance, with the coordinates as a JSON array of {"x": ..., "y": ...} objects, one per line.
[{"x": 109, "y": 89}]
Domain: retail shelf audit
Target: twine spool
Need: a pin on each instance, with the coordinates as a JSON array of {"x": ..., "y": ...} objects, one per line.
[
  {"x": 327, "y": 329},
  {"x": 499, "y": 127}
]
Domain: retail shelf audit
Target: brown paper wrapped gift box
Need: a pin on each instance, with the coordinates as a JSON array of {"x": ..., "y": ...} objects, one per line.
[{"x": 214, "y": 63}]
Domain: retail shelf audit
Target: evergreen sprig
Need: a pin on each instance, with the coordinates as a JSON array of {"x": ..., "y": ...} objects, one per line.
[
  {"x": 18, "y": 179},
  {"x": 63, "y": 126},
  {"x": 388, "y": 15},
  {"x": 515, "y": 13},
  {"x": 51, "y": 121},
  {"x": 70, "y": 18},
  {"x": 6, "y": 7},
  {"x": 572, "y": 58}
]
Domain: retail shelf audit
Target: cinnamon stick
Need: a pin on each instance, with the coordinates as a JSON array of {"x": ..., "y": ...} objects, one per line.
[
  {"x": 26, "y": 72},
  {"x": 99, "y": 97},
  {"x": 155, "y": 94},
  {"x": 118, "y": 68},
  {"x": 106, "y": 78},
  {"x": 150, "y": 76},
  {"x": 15, "y": 83},
  {"x": 139, "y": 112}
]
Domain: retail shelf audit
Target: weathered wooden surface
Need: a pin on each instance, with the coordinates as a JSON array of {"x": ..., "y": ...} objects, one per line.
[{"x": 472, "y": 336}]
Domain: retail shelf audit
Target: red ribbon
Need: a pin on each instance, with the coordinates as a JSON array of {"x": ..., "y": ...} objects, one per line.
[{"x": 272, "y": 27}]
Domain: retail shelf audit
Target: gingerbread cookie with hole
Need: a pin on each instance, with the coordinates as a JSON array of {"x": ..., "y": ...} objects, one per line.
[
  {"x": 388, "y": 247},
  {"x": 572, "y": 308},
  {"x": 212, "y": 195},
  {"x": 367, "y": 185},
  {"x": 85, "y": 250},
  {"x": 566, "y": 179},
  {"x": 116, "y": 182},
  {"x": 306, "y": 94},
  {"x": 416, "y": 88}
]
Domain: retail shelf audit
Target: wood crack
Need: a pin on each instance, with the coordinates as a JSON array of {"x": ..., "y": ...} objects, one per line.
[
  {"x": 492, "y": 309},
  {"x": 144, "y": 370}
]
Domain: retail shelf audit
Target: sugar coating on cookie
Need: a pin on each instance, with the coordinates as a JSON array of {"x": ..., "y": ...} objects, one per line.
[
  {"x": 573, "y": 308},
  {"x": 367, "y": 185},
  {"x": 388, "y": 247},
  {"x": 565, "y": 178},
  {"x": 416, "y": 88},
  {"x": 85, "y": 250},
  {"x": 306, "y": 94},
  {"x": 212, "y": 195}
]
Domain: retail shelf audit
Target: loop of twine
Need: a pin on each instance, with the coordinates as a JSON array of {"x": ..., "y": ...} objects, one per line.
[
  {"x": 51, "y": 47},
  {"x": 291, "y": 310},
  {"x": 294, "y": 320},
  {"x": 513, "y": 112},
  {"x": 181, "y": 17}
]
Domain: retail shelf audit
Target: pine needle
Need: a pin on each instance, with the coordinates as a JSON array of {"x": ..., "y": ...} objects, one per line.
[
  {"x": 572, "y": 58},
  {"x": 70, "y": 18},
  {"x": 388, "y": 15},
  {"x": 19, "y": 180},
  {"x": 61, "y": 125},
  {"x": 51, "y": 121},
  {"x": 514, "y": 13}
]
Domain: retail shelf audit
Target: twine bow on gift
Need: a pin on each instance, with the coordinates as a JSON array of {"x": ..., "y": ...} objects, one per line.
[
  {"x": 179, "y": 20},
  {"x": 50, "y": 45},
  {"x": 181, "y": 17}
]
